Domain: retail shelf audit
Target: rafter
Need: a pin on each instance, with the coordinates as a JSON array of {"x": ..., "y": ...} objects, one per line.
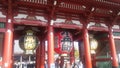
[
  {"x": 116, "y": 1},
  {"x": 116, "y": 18},
  {"x": 82, "y": 8}
]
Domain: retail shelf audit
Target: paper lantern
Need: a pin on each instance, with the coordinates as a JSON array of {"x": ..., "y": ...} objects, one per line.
[{"x": 63, "y": 42}]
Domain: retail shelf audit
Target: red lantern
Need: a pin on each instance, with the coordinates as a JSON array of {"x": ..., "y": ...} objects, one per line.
[{"x": 63, "y": 42}]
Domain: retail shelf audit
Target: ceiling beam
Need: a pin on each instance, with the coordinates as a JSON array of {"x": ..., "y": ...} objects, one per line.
[{"x": 116, "y": 1}]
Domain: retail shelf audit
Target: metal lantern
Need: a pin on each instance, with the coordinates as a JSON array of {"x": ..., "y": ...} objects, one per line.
[
  {"x": 28, "y": 42},
  {"x": 93, "y": 45},
  {"x": 63, "y": 42}
]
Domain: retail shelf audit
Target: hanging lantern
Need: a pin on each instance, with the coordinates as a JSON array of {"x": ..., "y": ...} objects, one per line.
[
  {"x": 28, "y": 42},
  {"x": 93, "y": 44},
  {"x": 63, "y": 42}
]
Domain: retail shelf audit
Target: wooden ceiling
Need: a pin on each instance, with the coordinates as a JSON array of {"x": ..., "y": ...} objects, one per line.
[{"x": 100, "y": 11}]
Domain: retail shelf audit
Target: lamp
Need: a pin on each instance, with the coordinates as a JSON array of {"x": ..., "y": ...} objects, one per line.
[
  {"x": 93, "y": 44},
  {"x": 63, "y": 42},
  {"x": 28, "y": 42},
  {"x": 66, "y": 43}
]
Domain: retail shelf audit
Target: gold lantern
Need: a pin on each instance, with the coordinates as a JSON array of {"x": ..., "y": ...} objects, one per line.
[
  {"x": 28, "y": 42},
  {"x": 93, "y": 45}
]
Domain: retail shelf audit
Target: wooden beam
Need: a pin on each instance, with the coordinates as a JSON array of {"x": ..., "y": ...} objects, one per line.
[
  {"x": 2, "y": 19},
  {"x": 2, "y": 30},
  {"x": 115, "y": 1},
  {"x": 30, "y": 22},
  {"x": 98, "y": 28},
  {"x": 116, "y": 18},
  {"x": 67, "y": 26},
  {"x": 102, "y": 59}
]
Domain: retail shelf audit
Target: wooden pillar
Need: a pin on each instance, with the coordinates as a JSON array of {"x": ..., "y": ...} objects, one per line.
[
  {"x": 50, "y": 34},
  {"x": 80, "y": 51},
  {"x": 8, "y": 41},
  {"x": 113, "y": 49},
  {"x": 37, "y": 57},
  {"x": 36, "y": 61},
  {"x": 38, "y": 53},
  {"x": 61, "y": 61},
  {"x": 50, "y": 46},
  {"x": 88, "y": 63},
  {"x": 94, "y": 61},
  {"x": 42, "y": 54},
  {"x": 72, "y": 57}
]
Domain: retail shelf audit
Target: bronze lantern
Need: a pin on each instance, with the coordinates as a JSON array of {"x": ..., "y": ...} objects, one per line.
[
  {"x": 93, "y": 44},
  {"x": 28, "y": 42}
]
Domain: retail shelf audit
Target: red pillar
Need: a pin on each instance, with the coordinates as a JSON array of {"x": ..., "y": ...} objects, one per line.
[
  {"x": 113, "y": 49},
  {"x": 81, "y": 53},
  {"x": 50, "y": 47},
  {"x": 38, "y": 56},
  {"x": 61, "y": 61},
  {"x": 88, "y": 63},
  {"x": 8, "y": 41},
  {"x": 72, "y": 57},
  {"x": 94, "y": 61},
  {"x": 8, "y": 48},
  {"x": 42, "y": 54},
  {"x": 79, "y": 48}
]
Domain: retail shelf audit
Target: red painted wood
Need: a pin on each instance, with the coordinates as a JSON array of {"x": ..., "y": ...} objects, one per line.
[
  {"x": 50, "y": 47},
  {"x": 8, "y": 41},
  {"x": 94, "y": 65},
  {"x": 38, "y": 54},
  {"x": 67, "y": 26},
  {"x": 88, "y": 61},
  {"x": 8, "y": 48},
  {"x": 30, "y": 22},
  {"x": 94, "y": 28},
  {"x": 72, "y": 56},
  {"x": 67, "y": 9},
  {"x": 102, "y": 59},
  {"x": 2, "y": 29},
  {"x": 42, "y": 54},
  {"x": 37, "y": 58},
  {"x": 113, "y": 48},
  {"x": 116, "y": 1},
  {"x": 61, "y": 61},
  {"x": 2, "y": 19}
]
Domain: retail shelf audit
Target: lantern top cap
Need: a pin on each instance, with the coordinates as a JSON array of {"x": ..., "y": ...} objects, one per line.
[
  {"x": 29, "y": 32},
  {"x": 91, "y": 35}
]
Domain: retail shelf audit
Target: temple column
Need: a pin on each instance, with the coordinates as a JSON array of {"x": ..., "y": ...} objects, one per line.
[
  {"x": 42, "y": 54},
  {"x": 113, "y": 49},
  {"x": 8, "y": 40},
  {"x": 94, "y": 61},
  {"x": 88, "y": 62},
  {"x": 72, "y": 57},
  {"x": 37, "y": 57},
  {"x": 79, "y": 48},
  {"x": 50, "y": 35},
  {"x": 50, "y": 46},
  {"x": 38, "y": 53},
  {"x": 61, "y": 61}
]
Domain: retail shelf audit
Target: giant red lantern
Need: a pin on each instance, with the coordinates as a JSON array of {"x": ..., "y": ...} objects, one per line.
[{"x": 63, "y": 42}]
